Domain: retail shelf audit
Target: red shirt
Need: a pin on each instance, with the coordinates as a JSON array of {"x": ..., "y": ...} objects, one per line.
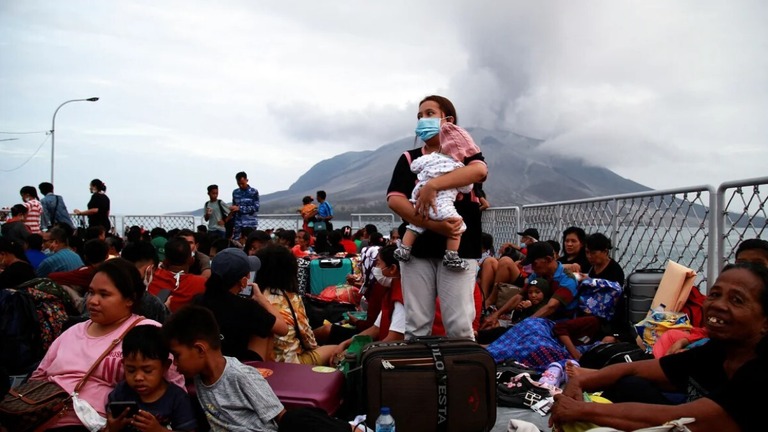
[
  {"x": 298, "y": 253},
  {"x": 183, "y": 289},
  {"x": 392, "y": 295},
  {"x": 80, "y": 277},
  {"x": 349, "y": 246}
]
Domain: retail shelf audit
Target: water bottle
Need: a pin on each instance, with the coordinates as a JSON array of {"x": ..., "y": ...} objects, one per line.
[{"x": 385, "y": 422}]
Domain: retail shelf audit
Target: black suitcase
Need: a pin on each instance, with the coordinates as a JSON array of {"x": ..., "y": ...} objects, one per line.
[
  {"x": 640, "y": 289},
  {"x": 431, "y": 384}
]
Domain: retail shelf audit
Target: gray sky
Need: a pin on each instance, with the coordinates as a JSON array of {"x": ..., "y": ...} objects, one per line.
[{"x": 668, "y": 94}]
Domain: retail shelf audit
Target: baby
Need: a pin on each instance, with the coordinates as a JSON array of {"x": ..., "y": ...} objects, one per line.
[{"x": 455, "y": 146}]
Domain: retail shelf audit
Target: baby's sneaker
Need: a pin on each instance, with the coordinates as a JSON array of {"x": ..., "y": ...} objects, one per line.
[
  {"x": 403, "y": 253},
  {"x": 452, "y": 261}
]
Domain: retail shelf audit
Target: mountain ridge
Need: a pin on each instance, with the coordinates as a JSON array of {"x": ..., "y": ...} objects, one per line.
[{"x": 519, "y": 173}]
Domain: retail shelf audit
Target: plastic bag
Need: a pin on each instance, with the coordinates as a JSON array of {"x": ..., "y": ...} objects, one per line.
[
  {"x": 88, "y": 416},
  {"x": 654, "y": 325}
]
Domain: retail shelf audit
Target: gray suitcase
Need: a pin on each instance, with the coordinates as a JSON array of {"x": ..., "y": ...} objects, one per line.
[{"x": 640, "y": 289}]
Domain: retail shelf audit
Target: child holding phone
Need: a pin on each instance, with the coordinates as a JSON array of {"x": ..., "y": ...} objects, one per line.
[{"x": 145, "y": 401}]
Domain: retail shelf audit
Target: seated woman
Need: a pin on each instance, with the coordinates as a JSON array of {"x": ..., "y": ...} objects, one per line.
[
  {"x": 247, "y": 322},
  {"x": 724, "y": 379},
  {"x": 334, "y": 240},
  {"x": 586, "y": 329},
  {"x": 347, "y": 241},
  {"x": 278, "y": 280},
  {"x": 15, "y": 268},
  {"x": 113, "y": 296},
  {"x": 390, "y": 322},
  {"x": 574, "y": 257},
  {"x": 505, "y": 269}
]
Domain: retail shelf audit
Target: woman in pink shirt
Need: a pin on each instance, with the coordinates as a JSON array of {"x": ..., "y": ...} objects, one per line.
[{"x": 114, "y": 295}]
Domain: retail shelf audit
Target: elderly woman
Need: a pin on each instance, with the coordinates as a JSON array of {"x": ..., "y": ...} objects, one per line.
[
  {"x": 724, "y": 379},
  {"x": 113, "y": 297}
]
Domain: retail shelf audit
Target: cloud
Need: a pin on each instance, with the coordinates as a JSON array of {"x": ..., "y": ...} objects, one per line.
[
  {"x": 653, "y": 85},
  {"x": 192, "y": 92}
]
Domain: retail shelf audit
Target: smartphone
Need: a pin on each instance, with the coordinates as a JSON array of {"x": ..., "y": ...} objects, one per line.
[
  {"x": 117, "y": 408},
  {"x": 247, "y": 292}
]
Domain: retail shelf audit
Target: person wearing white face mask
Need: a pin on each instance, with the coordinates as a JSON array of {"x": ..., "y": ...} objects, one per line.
[{"x": 390, "y": 323}]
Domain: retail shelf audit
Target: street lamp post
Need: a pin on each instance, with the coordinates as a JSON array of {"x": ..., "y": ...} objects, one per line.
[{"x": 53, "y": 126}]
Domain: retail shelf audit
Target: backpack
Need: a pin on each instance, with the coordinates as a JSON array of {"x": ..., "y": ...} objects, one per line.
[
  {"x": 694, "y": 307},
  {"x": 598, "y": 297},
  {"x": 48, "y": 286},
  {"x": 51, "y": 315},
  {"x": 20, "y": 341},
  {"x": 228, "y": 217},
  {"x": 229, "y": 220}
]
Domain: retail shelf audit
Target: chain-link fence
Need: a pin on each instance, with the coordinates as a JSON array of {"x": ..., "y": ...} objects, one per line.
[
  {"x": 384, "y": 222},
  {"x": 81, "y": 221},
  {"x": 646, "y": 229},
  {"x": 167, "y": 222},
  {"x": 284, "y": 221},
  {"x": 503, "y": 223},
  {"x": 741, "y": 214}
]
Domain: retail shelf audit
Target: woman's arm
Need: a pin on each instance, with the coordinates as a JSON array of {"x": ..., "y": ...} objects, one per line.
[
  {"x": 472, "y": 173},
  {"x": 400, "y": 205},
  {"x": 90, "y": 211},
  {"x": 709, "y": 416},
  {"x": 280, "y": 328}
]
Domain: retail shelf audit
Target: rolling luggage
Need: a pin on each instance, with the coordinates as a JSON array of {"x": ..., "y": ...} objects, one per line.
[
  {"x": 640, "y": 289},
  {"x": 299, "y": 385},
  {"x": 328, "y": 271},
  {"x": 431, "y": 384}
]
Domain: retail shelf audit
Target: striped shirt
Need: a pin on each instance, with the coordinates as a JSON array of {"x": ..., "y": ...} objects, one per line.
[
  {"x": 61, "y": 261},
  {"x": 34, "y": 211}
]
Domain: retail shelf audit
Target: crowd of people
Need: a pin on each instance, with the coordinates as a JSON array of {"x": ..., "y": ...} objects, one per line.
[{"x": 200, "y": 304}]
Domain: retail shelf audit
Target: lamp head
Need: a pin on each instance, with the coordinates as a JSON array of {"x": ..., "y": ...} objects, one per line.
[{"x": 93, "y": 99}]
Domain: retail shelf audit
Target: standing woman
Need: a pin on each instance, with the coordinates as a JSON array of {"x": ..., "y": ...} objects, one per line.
[
  {"x": 98, "y": 206},
  {"x": 425, "y": 271}
]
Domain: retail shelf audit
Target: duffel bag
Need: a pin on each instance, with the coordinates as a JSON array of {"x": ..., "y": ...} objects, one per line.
[{"x": 606, "y": 354}]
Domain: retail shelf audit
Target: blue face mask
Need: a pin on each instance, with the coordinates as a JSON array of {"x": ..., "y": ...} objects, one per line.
[{"x": 427, "y": 127}]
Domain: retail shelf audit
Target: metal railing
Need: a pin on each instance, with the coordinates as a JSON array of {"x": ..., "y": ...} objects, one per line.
[
  {"x": 503, "y": 223},
  {"x": 741, "y": 214},
  {"x": 384, "y": 222},
  {"x": 697, "y": 226},
  {"x": 167, "y": 222},
  {"x": 646, "y": 228}
]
